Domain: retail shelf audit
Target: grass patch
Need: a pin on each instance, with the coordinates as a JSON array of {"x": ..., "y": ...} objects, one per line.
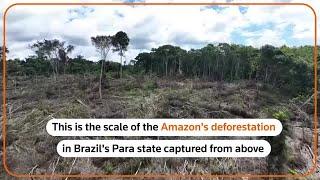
[{"x": 149, "y": 85}]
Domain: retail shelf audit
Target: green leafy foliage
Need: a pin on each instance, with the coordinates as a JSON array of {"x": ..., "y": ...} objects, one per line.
[
  {"x": 279, "y": 155},
  {"x": 289, "y": 69},
  {"x": 281, "y": 115},
  {"x": 285, "y": 68}
]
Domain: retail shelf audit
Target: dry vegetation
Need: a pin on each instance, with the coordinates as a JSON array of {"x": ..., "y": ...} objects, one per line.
[{"x": 32, "y": 102}]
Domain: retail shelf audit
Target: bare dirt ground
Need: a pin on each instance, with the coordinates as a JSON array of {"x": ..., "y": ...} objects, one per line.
[{"x": 34, "y": 101}]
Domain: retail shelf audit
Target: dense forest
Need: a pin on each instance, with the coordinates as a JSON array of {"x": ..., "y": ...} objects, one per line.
[{"x": 288, "y": 68}]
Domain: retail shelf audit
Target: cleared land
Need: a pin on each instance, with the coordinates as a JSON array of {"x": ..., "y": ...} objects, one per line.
[{"x": 34, "y": 101}]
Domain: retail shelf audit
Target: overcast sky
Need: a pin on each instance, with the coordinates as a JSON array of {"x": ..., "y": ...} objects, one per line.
[{"x": 152, "y": 26}]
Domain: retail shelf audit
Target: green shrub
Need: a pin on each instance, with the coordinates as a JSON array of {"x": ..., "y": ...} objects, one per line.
[
  {"x": 149, "y": 85},
  {"x": 279, "y": 155},
  {"x": 281, "y": 115},
  {"x": 108, "y": 168}
]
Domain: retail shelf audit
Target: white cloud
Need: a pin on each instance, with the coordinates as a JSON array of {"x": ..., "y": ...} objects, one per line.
[
  {"x": 151, "y": 26},
  {"x": 267, "y": 37}
]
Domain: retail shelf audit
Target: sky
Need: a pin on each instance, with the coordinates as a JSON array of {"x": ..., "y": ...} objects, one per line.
[{"x": 153, "y": 26}]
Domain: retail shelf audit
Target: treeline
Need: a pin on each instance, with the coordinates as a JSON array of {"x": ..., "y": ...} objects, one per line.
[
  {"x": 284, "y": 67},
  {"x": 289, "y": 68},
  {"x": 34, "y": 66}
]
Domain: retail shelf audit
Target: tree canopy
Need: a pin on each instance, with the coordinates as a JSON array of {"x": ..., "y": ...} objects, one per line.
[
  {"x": 288, "y": 68},
  {"x": 55, "y": 51}
]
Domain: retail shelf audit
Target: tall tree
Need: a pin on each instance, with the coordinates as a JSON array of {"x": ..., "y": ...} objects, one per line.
[
  {"x": 103, "y": 45},
  {"x": 144, "y": 61},
  {"x": 50, "y": 50},
  {"x": 120, "y": 41},
  {"x": 165, "y": 53},
  {"x": 63, "y": 55}
]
